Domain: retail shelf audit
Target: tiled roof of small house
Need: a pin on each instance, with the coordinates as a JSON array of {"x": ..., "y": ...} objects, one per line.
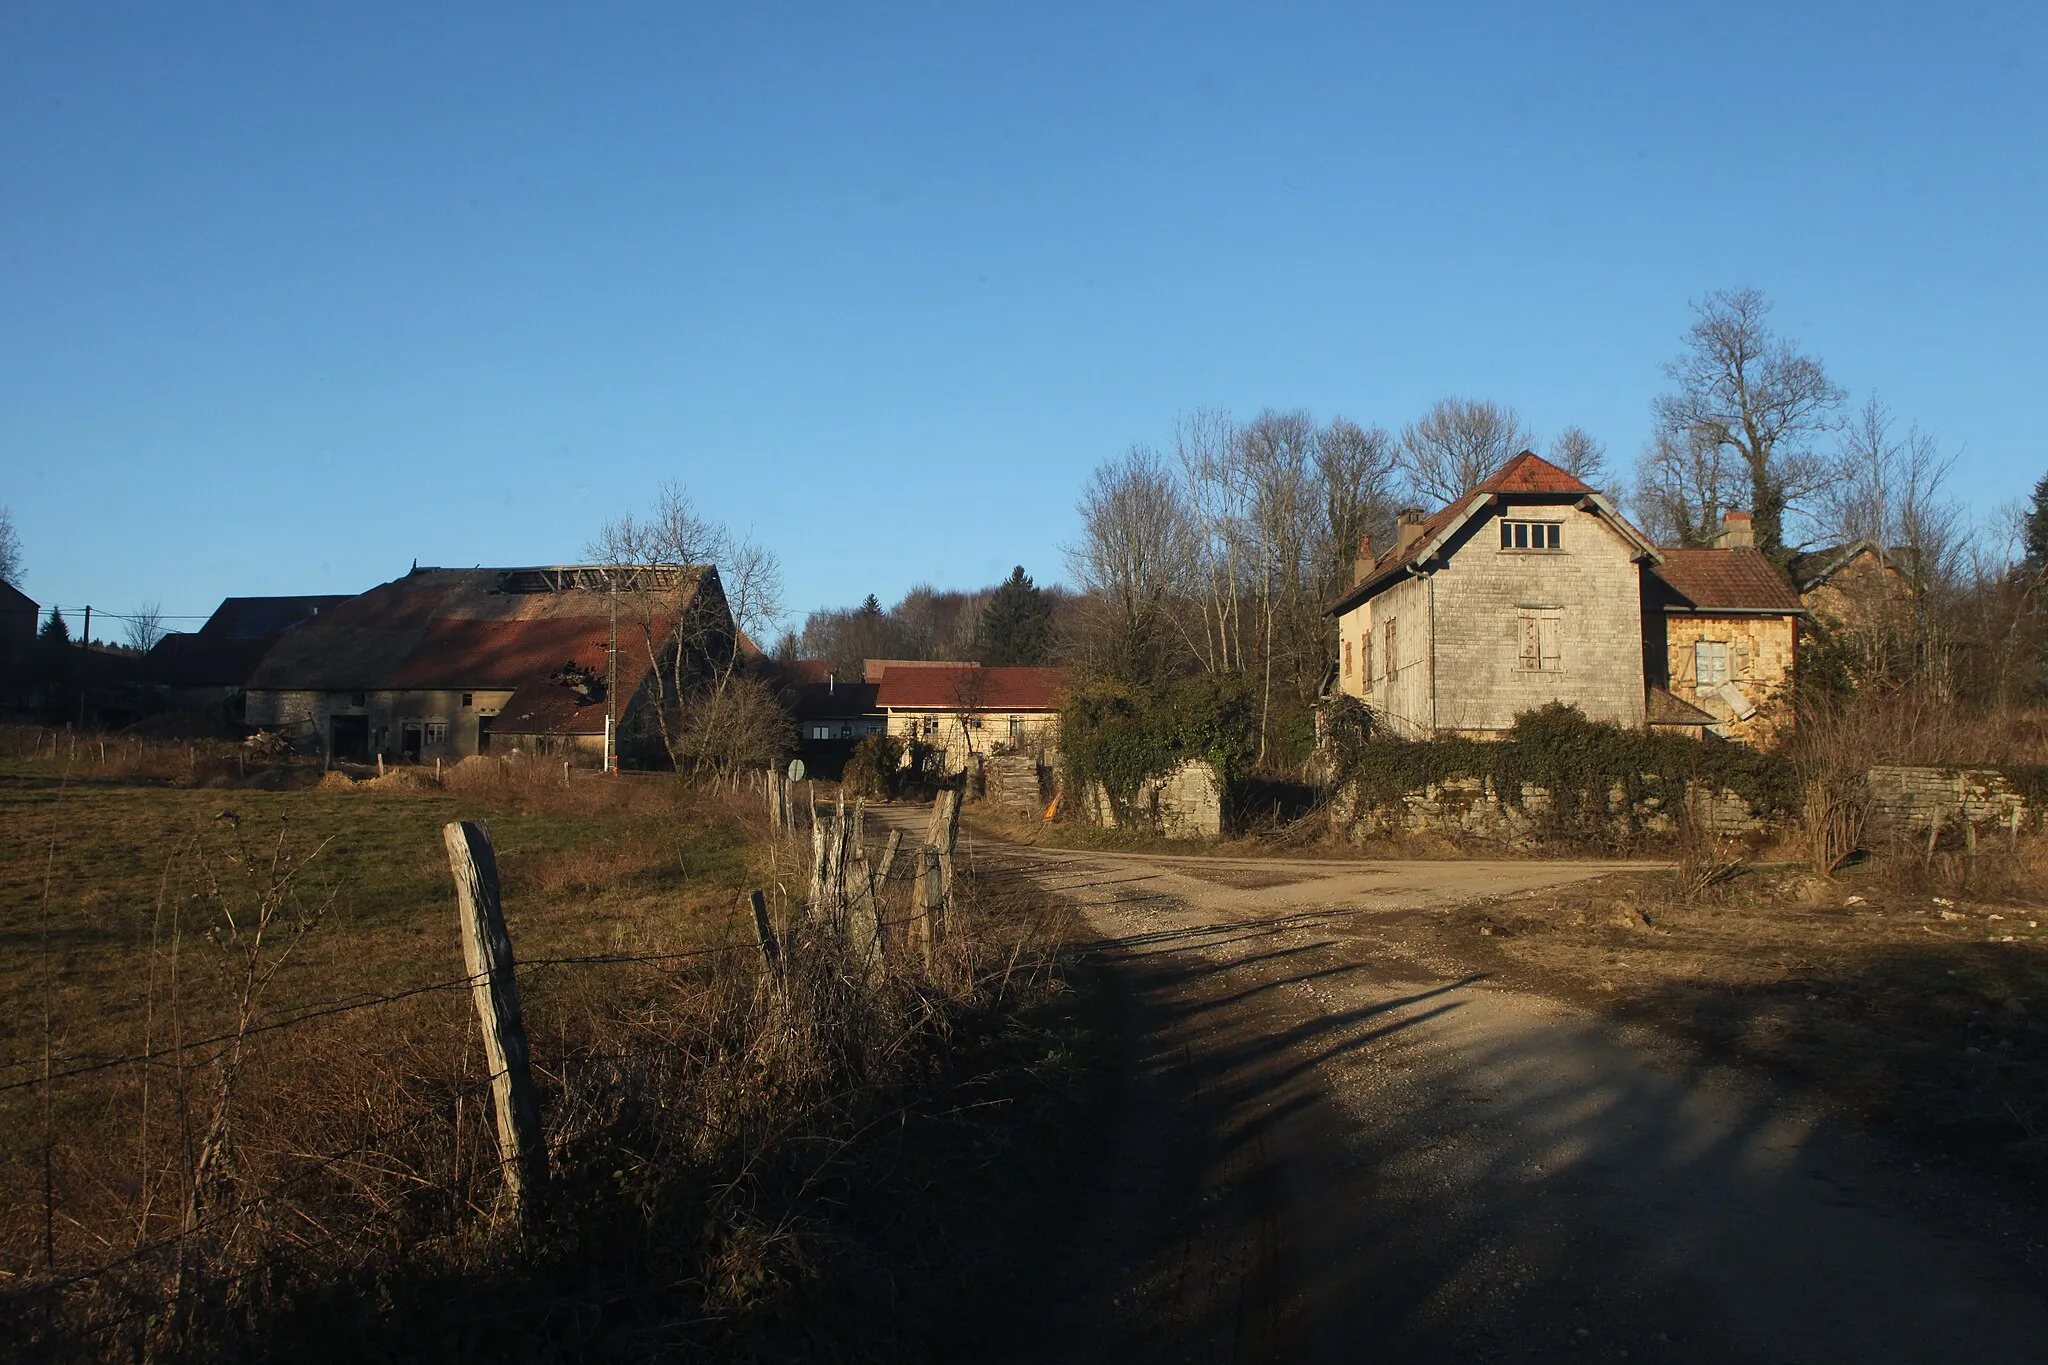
[
  {"x": 1728, "y": 580},
  {"x": 949, "y": 687}
]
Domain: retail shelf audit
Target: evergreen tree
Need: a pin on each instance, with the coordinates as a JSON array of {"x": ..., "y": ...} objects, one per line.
[
  {"x": 55, "y": 630},
  {"x": 2037, "y": 527},
  {"x": 1016, "y": 625}
]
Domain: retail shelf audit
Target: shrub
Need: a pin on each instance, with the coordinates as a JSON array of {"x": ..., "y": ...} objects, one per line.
[{"x": 875, "y": 767}]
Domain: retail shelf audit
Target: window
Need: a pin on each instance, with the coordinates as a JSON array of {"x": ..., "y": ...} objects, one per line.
[
  {"x": 1537, "y": 632},
  {"x": 1347, "y": 658},
  {"x": 931, "y": 725},
  {"x": 1393, "y": 654},
  {"x": 1016, "y": 727},
  {"x": 358, "y": 699},
  {"x": 821, "y": 732},
  {"x": 1365, "y": 651},
  {"x": 468, "y": 700},
  {"x": 1531, "y": 535},
  {"x": 437, "y": 733},
  {"x": 1710, "y": 663}
]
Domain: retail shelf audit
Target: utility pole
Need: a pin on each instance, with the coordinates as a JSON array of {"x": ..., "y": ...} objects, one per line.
[
  {"x": 85, "y": 635},
  {"x": 611, "y": 682}
]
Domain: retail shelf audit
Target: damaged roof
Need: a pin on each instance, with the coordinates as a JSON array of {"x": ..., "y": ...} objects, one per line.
[{"x": 463, "y": 629}]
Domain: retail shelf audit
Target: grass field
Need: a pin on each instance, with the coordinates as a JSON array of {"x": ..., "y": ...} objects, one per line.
[{"x": 246, "y": 1190}]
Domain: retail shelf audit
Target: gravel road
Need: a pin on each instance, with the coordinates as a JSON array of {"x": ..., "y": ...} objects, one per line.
[{"x": 1335, "y": 1144}]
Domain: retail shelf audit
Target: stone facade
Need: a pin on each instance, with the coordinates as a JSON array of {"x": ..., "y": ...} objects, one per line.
[
  {"x": 443, "y": 724},
  {"x": 1753, "y": 705},
  {"x": 1493, "y": 632}
]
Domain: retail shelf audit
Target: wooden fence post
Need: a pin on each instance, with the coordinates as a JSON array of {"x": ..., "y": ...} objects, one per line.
[
  {"x": 764, "y": 932},
  {"x": 932, "y": 926},
  {"x": 487, "y": 953}
]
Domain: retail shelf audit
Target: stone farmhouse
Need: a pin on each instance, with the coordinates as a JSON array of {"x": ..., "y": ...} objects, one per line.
[
  {"x": 455, "y": 662},
  {"x": 969, "y": 711},
  {"x": 1533, "y": 588}
]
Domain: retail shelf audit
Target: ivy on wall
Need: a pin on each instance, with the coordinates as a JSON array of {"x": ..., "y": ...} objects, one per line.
[
  {"x": 1580, "y": 762},
  {"x": 1120, "y": 735}
]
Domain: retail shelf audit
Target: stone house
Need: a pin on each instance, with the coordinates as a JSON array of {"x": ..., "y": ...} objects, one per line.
[
  {"x": 454, "y": 662},
  {"x": 968, "y": 711},
  {"x": 1532, "y": 589}
]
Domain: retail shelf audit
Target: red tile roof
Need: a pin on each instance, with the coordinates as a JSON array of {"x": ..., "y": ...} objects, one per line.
[
  {"x": 947, "y": 687},
  {"x": 1727, "y": 580},
  {"x": 1530, "y": 473}
]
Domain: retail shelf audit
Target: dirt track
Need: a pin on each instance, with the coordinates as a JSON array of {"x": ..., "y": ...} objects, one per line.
[{"x": 1336, "y": 1144}]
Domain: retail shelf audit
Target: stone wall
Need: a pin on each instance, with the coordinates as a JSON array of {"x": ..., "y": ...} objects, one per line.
[
  {"x": 1474, "y": 809},
  {"x": 1015, "y": 784},
  {"x": 1186, "y": 803},
  {"x": 1909, "y": 798}
]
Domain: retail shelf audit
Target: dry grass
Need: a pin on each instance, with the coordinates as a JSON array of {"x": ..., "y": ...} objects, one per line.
[
  {"x": 1915, "y": 993},
  {"x": 328, "y": 1189}
]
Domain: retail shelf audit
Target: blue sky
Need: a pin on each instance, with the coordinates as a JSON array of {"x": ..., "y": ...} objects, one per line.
[{"x": 292, "y": 295}]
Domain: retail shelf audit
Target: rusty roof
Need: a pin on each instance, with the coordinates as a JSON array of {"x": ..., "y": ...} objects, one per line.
[
  {"x": 953, "y": 687},
  {"x": 458, "y": 629},
  {"x": 1739, "y": 579}
]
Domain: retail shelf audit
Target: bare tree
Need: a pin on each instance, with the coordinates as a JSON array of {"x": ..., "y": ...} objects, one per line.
[
  {"x": 1744, "y": 388},
  {"x": 688, "y": 592},
  {"x": 1207, "y": 450},
  {"x": 146, "y": 627},
  {"x": 10, "y": 550},
  {"x": 1456, "y": 444},
  {"x": 1684, "y": 482},
  {"x": 1886, "y": 486},
  {"x": 1133, "y": 560},
  {"x": 1355, "y": 467},
  {"x": 1576, "y": 452}
]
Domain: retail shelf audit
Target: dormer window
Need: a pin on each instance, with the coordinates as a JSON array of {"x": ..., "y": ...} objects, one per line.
[{"x": 1531, "y": 535}]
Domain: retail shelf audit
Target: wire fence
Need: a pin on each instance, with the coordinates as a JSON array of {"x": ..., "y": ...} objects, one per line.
[{"x": 451, "y": 1124}]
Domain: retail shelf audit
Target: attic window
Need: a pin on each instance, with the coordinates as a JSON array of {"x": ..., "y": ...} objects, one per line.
[
  {"x": 358, "y": 699},
  {"x": 468, "y": 699},
  {"x": 1531, "y": 535}
]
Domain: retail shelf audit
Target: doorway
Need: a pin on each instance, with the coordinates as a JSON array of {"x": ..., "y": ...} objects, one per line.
[
  {"x": 410, "y": 744},
  {"x": 348, "y": 738}
]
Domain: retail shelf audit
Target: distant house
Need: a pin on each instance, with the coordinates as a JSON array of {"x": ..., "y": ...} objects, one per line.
[
  {"x": 453, "y": 662},
  {"x": 967, "y": 710},
  {"x": 1533, "y": 589},
  {"x": 207, "y": 668}
]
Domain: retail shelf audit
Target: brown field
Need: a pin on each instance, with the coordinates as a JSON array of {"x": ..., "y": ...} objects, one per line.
[{"x": 268, "y": 1108}]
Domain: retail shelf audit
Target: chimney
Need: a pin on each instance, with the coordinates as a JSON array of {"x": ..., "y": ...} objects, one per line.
[
  {"x": 1361, "y": 569},
  {"x": 1738, "y": 532},
  {"x": 1408, "y": 528}
]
